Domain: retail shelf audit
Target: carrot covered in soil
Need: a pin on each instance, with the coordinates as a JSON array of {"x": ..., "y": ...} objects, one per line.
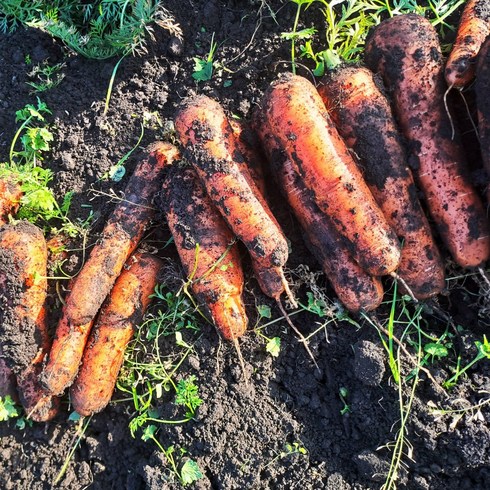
[
  {"x": 206, "y": 247},
  {"x": 364, "y": 119},
  {"x": 355, "y": 288},
  {"x": 205, "y": 132},
  {"x": 24, "y": 332},
  {"x": 293, "y": 111},
  {"x": 482, "y": 91},
  {"x": 104, "y": 354},
  {"x": 405, "y": 50},
  {"x": 120, "y": 237},
  {"x": 10, "y": 195},
  {"x": 474, "y": 27}
]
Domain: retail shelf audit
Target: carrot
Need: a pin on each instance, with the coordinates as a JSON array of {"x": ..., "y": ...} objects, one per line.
[
  {"x": 104, "y": 354},
  {"x": 474, "y": 27},
  {"x": 205, "y": 132},
  {"x": 295, "y": 114},
  {"x": 356, "y": 289},
  {"x": 405, "y": 50},
  {"x": 482, "y": 89},
  {"x": 364, "y": 119},
  {"x": 214, "y": 268},
  {"x": 249, "y": 146},
  {"x": 120, "y": 236},
  {"x": 10, "y": 195},
  {"x": 25, "y": 339}
]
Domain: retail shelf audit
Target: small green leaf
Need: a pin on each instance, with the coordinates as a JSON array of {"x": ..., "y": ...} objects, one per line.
[
  {"x": 203, "y": 70},
  {"x": 273, "y": 346},
  {"x": 190, "y": 472},
  {"x": 264, "y": 311},
  {"x": 74, "y": 417},
  {"x": 8, "y": 409},
  {"x": 436, "y": 350},
  {"x": 149, "y": 432},
  {"x": 117, "y": 172},
  {"x": 227, "y": 83}
]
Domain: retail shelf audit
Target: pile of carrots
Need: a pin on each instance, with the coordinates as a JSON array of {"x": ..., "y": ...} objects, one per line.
[{"x": 350, "y": 161}]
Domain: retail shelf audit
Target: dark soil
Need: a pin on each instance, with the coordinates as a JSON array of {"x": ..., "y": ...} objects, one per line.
[{"x": 240, "y": 429}]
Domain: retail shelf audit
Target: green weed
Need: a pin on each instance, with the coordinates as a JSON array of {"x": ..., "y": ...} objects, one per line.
[
  {"x": 203, "y": 67},
  {"x": 9, "y": 410},
  {"x": 47, "y": 76}
]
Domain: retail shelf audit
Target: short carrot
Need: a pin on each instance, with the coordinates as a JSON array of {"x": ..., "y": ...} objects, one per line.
[
  {"x": 207, "y": 250},
  {"x": 205, "y": 132},
  {"x": 355, "y": 288},
  {"x": 405, "y": 50},
  {"x": 364, "y": 119},
  {"x": 293, "y": 111},
  {"x": 120, "y": 237},
  {"x": 10, "y": 195},
  {"x": 474, "y": 27},
  {"x": 104, "y": 353},
  {"x": 25, "y": 339}
]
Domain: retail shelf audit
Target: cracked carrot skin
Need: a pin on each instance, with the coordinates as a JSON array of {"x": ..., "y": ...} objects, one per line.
[
  {"x": 215, "y": 268},
  {"x": 473, "y": 28},
  {"x": 293, "y": 111},
  {"x": 205, "y": 132},
  {"x": 120, "y": 237},
  {"x": 23, "y": 270},
  {"x": 104, "y": 353},
  {"x": 405, "y": 51},
  {"x": 364, "y": 119},
  {"x": 355, "y": 288}
]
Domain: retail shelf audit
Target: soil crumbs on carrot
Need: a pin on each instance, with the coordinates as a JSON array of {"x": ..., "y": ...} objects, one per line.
[{"x": 240, "y": 434}]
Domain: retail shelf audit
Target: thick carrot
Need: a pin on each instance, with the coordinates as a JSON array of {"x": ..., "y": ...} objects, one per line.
[
  {"x": 356, "y": 289},
  {"x": 474, "y": 27},
  {"x": 405, "y": 50},
  {"x": 120, "y": 237},
  {"x": 364, "y": 119},
  {"x": 294, "y": 113},
  {"x": 10, "y": 195},
  {"x": 206, "y": 247},
  {"x": 482, "y": 90},
  {"x": 25, "y": 339},
  {"x": 205, "y": 131},
  {"x": 104, "y": 353}
]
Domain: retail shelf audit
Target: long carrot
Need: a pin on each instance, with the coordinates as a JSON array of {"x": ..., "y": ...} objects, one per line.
[
  {"x": 474, "y": 27},
  {"x": 356, "y": 289},
  {"x": 104, "y": 353},
  {"x": 364, "y": 119},
  {"x": 120, "y": 237},
  {"x": 294, "y": 113},
  {"x": 405, "y": 50},
  {"x": 23, "y": 267},
  {"x": 205, "y": 132},
  {"x": 206, "y": 247}
]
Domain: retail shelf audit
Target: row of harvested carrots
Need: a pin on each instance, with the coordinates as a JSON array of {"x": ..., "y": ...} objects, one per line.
[{"x": 352, "y": 193}]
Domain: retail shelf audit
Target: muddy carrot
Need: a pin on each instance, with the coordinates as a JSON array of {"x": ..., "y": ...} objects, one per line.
[
  {"x": 104, "y": 354},
  {"x": 474, "y": 27},
  {"x": 205, "y": 132},
  {"x": 364, "y": 119},
  {"x": 25, "y": 339},
  {"x": 120, "y": 237},
  {"x": 405, "y": 50},
  {"x": 10, "y": 195},
  {"x": 355, "y": 288},
  {"x": 207, "y": 250},
  {"x": 294, "y": 113}
]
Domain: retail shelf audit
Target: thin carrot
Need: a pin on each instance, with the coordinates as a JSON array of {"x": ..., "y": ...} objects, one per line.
[
  {"x": 104, "y": 354},
  {"x": 25, "y": 339},
  {"x": 206, "y": 247},
  {"x": 405, "y": 50},
  {"x": 364, "y": 119},
  {"x": 120, "y": 237},
  {"x": 294, "y": 113},
  {"x": 474, "y": 27}
]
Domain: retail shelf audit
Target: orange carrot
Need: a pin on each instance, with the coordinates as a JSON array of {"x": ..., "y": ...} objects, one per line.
[
  {"x": 206, "y": 247},
  {"x": 405, "y": 50},
  {"x": 356, "y": 289},
  {"x": 10, "y": 195},
  {"x": 25, "y": 339},
  {"x": 474, "y": 27},
  {"x": 364, "y": 119},
  {"x": 104, "y": 354},
  {"x": 295, "y": 114},
  {"x": 120, "y": 237},
  {"x": 205, "y": 132}
]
